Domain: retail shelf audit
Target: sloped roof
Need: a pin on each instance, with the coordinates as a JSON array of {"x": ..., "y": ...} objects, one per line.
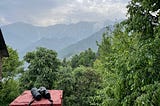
[
  {"x": 3, "y": 48},
  {"x": 26, "y": 97}
]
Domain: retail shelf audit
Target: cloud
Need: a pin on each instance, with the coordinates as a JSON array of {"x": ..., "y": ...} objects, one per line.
[
  {"x": 3, "y": 21},
  {"x": 48, "y": 12},
  {"x": 98, "y": 10}
]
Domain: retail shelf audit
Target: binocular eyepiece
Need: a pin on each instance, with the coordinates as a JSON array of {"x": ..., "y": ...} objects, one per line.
[{"x": 39, "y": 93}]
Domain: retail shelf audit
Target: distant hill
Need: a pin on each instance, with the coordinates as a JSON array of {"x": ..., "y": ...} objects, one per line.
[
  {"x": 89, "y": 42},
  {"x": 20, "y": 35},
  {"x": 25, "y": 37},
  {"x": 65, "y": 39}
]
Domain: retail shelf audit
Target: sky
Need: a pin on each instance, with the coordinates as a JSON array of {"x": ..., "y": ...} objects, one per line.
[{"x": 51, "y": 12}]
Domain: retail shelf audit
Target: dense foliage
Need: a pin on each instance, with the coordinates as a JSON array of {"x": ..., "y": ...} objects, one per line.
[
  {"x": 143, "y": 17},
  {"x": 129, "y": 60},
  {"x": 9, "y": 87},
  {"x": 42, "y": 69},
  {"x": 11, "y": 65},
  {"x": 129, "y": 70},
  {"x": 85, "y": 58},
  {"x": 79, "y": 85}
]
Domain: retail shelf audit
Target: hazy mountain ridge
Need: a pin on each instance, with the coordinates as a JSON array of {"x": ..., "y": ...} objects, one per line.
[
  {"x": 22, "y": 36},
  {"x": 25, "y": 37},
  {"x": 89, "y": 42}
]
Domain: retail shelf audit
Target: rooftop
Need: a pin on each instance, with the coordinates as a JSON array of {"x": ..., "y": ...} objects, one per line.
[{"x": 3, "y": 48}]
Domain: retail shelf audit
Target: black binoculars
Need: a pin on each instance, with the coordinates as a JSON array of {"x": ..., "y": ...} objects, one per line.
[{"x": 39, "y": 93}]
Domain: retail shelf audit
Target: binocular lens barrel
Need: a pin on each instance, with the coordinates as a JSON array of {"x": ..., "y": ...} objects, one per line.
[
  {"x": 39, "y": 93},
  {"x": 44, "y": 92},
  {"x": 47, "y": 95},
  {"x": 36, "y": 94}
]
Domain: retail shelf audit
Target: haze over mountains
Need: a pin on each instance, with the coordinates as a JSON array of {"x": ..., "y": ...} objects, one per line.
[
  {"x": 65, "y": 39},
  {"x": 84, "y": 44}
]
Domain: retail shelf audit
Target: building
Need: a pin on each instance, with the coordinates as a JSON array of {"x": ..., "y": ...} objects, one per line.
[{"x": 3, "y": 52}]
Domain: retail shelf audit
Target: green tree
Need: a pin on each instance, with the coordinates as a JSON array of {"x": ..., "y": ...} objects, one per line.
[
  {"x": 143, "y": 17},
  {"x": 113, "y": 52},
  {"x": 65, "y": 62},
  {"x": 129, "y": 61},
  {"x": 9, "y": 87},
  {"x": 66, "y": 83},
  {"x": 9, "y": 91},
  {"x": 11, "y": 65},
  {"x": 85, "y": 58},
  {"x": 42, "y": 69},
  {"x": 87, "y": 82},
  {"x": 79, "y": 85}
]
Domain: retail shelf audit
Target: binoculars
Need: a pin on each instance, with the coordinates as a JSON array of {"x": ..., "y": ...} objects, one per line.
[{"x": 39, "y": 93}]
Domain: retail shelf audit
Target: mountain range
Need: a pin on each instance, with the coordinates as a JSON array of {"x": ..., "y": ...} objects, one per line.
[
  {"x": 84, "y": 44},
  {"x": 65, "y": 39}
]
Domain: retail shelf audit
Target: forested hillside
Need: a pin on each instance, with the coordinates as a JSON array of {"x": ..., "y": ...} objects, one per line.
[
  {"x": 89, "y": 42},
  {"x": 125, "y": 71}
]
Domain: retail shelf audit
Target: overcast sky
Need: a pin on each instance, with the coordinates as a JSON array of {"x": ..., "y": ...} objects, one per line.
[{"x": 50, "y": 12}]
